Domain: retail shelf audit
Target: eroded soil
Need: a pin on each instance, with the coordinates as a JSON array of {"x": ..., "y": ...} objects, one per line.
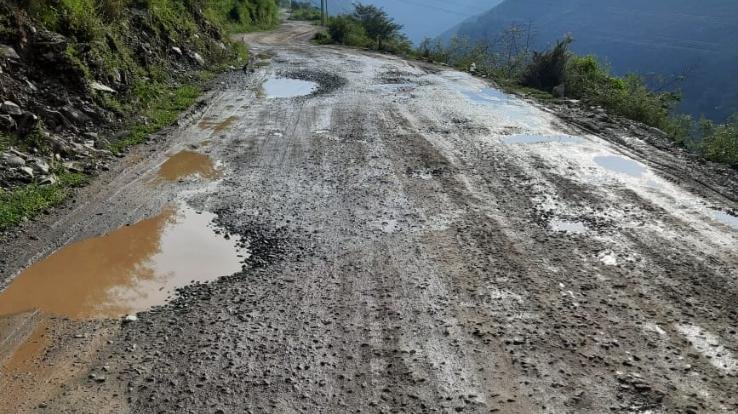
[{"x": 415, "y": 244}]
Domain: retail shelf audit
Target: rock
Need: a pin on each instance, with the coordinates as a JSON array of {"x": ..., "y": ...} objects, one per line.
[
  {"x": 55, "y": 120},
  {"x": 75, "y": 116},
  {"x": 8, "y": 52},
  {"x": 130, "y": 318},
  {"x": 559, "y": 91},
  {"x": 11, "y": 108},
  {"x": 13, "y": 161},
  {"x": 41, "y": 166},
  {"x": 7, "y": 123},
  {"x": 197, "y": 58},
  {"x": 48, "y": 180},
  {"x": 73, "y": 166},
  {"x": 27, "y": 172},
  {"x": 97, "y": 86},
  {"x": 90, "y": 135},
  {"x": 102, "y": 143},
  {"x": 177, "y": 50},
  {"x": 27, "y": 122}
]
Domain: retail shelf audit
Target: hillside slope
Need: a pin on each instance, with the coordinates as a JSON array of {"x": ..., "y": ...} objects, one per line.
[
  {"x": 83, "y": 79},
  {"x": 659, "y": 37}
]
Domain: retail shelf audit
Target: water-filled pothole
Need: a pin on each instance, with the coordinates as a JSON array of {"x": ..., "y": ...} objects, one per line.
[
  {"x": 188, "y": 163},
  {"x": 725, "y": 218},
  {"x": 128, "y": 270},
  {"x": 621, "y": 165},
  {"x": 288, "y": 88},
  {"x": 540, "y": 139},
  {"x": 513, "y": 107}
]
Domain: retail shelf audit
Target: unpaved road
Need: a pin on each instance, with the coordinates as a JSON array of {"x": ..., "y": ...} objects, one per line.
[{"x": 415, "y": 247}]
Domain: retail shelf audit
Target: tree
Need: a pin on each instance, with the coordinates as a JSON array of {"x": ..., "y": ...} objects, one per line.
[{"x": 378, "y": 25}]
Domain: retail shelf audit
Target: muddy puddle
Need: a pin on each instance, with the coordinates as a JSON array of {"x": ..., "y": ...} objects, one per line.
[
  {"x": 725, "y": 218},
  {"x": 187, "y": 164},
  {"x": 566, "y": 226},
  {"x": 542, "y": 139},
  {"x": 288, "y": 88},
  {"x": 128, "y": 270},
  {"x": 217, "y": 125},
  {"x": 621, "y": 165}
]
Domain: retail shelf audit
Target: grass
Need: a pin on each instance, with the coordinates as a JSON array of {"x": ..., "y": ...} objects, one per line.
[
  {"x": 26, "y": 202},
  {"x": 163, "y": 105}
]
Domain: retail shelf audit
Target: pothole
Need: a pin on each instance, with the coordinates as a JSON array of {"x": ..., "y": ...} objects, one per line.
[
  {"x": 188, "y": 163},
  {"x": 288, "y": 88},
  {"x": 126, "y": 271},
  {"x": 621, "y": 165},
  {"x": 540, "y": 139},
  {"x": 725, "y": 218}
]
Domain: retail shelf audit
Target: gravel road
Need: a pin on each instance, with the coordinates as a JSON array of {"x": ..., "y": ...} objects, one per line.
[{"x": 418, "y": 243}]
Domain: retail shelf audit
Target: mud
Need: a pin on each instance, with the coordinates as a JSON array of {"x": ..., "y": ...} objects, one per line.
[
  {"x": 405, "y": 258},
  {"x": 187, "y": 164}
]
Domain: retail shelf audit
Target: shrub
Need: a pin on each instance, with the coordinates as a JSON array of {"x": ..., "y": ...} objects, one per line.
[
  {"x": 547, "y": 70},
  {"x": 346, "y": 30},
  {"x": 720, "y": 142}
]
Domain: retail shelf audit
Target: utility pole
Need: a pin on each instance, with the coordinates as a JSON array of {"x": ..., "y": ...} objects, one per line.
[{"x": 322, "y": 11}]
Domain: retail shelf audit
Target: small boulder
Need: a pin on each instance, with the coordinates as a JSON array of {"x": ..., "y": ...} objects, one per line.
[
  {"x": 130, "y": 318},
  {"x": 41, "y": 166},
  {"x": 11, "y": 108},
  {"x": 7, "y": 123},
  {"x": 8, "y": 52},
  {"x": 97, "y": 86},
  {"x": 27, "y": 173},
  {"x": 559, "y": 91},
  {"x": 13, "y": 161},
  {"x": 48, "y": 180},
  {"x": 177, "y": 50},
  {"x": 197, "y": 58}
]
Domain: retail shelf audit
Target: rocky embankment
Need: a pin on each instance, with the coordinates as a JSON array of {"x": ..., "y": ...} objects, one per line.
[{"x": 66, "y": 95}]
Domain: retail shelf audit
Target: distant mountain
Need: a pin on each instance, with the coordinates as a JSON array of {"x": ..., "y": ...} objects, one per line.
[{"x": 666, "y": 37}]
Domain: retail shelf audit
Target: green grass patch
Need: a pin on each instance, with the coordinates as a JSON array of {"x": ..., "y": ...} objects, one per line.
[
  {"x": 29, "y": 201},
  {"x": 162, "y": 104}
]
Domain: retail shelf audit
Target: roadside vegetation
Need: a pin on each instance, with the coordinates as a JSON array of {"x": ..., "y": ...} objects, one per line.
[
  {"x": 369, "y": 27},
  {"x": 304, "y": 10},
  {"x": 559, "y": 73},
  {"x": 152, "y": 58}
]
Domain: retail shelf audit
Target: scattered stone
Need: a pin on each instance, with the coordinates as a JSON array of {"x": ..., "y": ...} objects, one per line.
[
  {"x": 49, "y": 180},
  {"x": 13, "y": 161},
  {"x": 97, "y": 86},
  {"x": 9, "y": 52},
  {"x": 177, "y": 50},
  {"x": 130, "y": 318},
  {"x": 7, "y": 123},
  {"x": 11, "y": 108},
  {"x": 28, "y": 172}
]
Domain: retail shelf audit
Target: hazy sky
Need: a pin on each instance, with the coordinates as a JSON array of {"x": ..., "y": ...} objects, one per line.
[{"x": 422, "y": 18}]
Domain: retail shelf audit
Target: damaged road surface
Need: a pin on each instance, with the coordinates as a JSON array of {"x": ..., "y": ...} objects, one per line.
[{"x": 394, "y": 237}]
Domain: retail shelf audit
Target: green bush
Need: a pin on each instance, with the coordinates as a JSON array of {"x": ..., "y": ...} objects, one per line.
[
  {"x": 720, "y": 142},
  {"x": 547, "y": 70},
  {"x": 346, "y": 30}
]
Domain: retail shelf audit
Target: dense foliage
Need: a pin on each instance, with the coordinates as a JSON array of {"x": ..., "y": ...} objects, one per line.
[{"x": 369, "y": 27}]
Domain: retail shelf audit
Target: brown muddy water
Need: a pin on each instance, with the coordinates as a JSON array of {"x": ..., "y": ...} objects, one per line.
[
  {"x": 188, "y": 163},
  {"x": 128, "y": 270}
]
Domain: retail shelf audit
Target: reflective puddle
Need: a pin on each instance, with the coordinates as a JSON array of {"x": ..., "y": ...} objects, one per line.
[
  {"x": 540, "y": 139},
  {"x": 128, "y": 270},
  {"x": 187, "y": 163},
  {"x": 217, "y": 126},
  {"x": 621, "y": 165},
  {"x": 506, "y": 104},
  {"x": 575, "y": 227},
  {"x": 725, "y": 218},
  {"x": 288, "y": 88}
]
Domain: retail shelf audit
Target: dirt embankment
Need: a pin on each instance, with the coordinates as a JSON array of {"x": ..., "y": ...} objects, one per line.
[{"x": 75, "y": 82}]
